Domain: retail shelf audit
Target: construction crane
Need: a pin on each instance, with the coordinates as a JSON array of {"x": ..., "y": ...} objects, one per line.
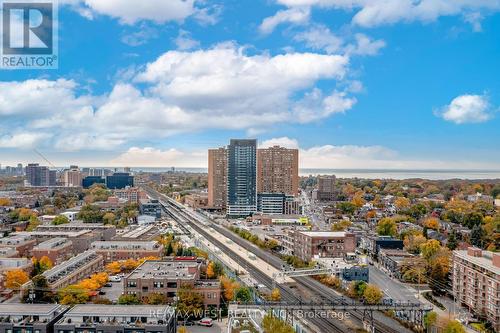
[{"x": 47, "y": 160}]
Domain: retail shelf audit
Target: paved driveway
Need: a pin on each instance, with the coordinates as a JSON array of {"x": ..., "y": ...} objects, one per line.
[{"x": 113, "y": 292}]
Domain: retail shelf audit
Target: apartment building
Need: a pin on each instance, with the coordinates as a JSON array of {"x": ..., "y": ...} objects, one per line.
[
  {"x": 476, "y": 282},
  {"x": 37, "y": 175},
  {"x": 105, "y": 231},
  {"x": 150, "y": 207},
  {"x": 323, "y": 244},
  {"x": 217, "y": 178},
  {"x": 8, "y": 252},
  {"x": 326, "y": 188},
  {"x": 73, "y": 270},
  {"x": 278, "y": 170},
  {"x": 57, "y": 249},
  {"x": 196, "y": 200},
  {"x": 73, "y": 177},
  {"x": 81, "y": 239},
  {"x": 22, "y": 243},
  {"x": 241, "y": 177},
  {"x": 168, "y": 276},
  {"x": 123, "y": 250},
  {"x": 30, "y": 318},
  {"x": 131, "y": 194},
  {"x": 87, "y": 318}
]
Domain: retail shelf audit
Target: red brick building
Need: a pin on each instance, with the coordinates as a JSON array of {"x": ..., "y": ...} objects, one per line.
[
  {"x": 56, "y": 249},
  {"x": 169, "y": 276},
  {"x": 323, "y": 244},
  {"x": 130, "y": 249}
]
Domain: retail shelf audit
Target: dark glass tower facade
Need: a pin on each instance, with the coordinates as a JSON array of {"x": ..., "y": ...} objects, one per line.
[{"x": 241, "y": 177}]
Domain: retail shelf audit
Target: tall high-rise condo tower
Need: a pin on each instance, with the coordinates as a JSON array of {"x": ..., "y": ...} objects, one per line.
[
  {"x": 217, "y": 178},
  {"x": 241, "y": 177}
]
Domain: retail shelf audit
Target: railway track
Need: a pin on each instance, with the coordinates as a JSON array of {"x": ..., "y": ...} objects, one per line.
[{"x": 313, "y": 286}]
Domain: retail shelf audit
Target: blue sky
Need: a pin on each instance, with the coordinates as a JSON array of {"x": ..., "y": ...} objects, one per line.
[{"x": 352, "y": 83}]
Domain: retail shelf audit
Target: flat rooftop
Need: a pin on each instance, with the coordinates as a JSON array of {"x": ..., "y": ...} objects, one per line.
[
  {"x": 155, "y": 269},
  {"x": 125, "y": 245},
  {"x": 22, "y": 309},
  {"x": 58, "y": 272},
  {"x": 331, "y": 234},
  {"x": 53, "y": 243},
  {"x": 74, "y": 225},
  {"x": 16, "y": 238},
  {"x": 56, "y": 233},
  {"x": 96, "y": 310},
  {"x": 485, "y": 261}
]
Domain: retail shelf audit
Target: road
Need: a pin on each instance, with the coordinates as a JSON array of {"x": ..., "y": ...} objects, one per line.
[
  {"x": 391, "y": 287},
  {"x": 382, "y": 323}
]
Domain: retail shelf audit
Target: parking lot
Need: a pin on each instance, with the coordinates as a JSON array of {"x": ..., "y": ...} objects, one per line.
[
  {"x": 218, "y": 327},
  {"x": 113, "y": 292}
]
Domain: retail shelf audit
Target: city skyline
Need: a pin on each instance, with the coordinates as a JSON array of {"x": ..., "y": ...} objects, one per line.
[{"x": 349, "y": 84}]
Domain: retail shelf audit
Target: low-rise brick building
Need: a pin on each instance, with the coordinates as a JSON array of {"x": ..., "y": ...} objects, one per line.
[
  {"x": 23, "y": 243},
  {"x": 57, "y": 249},
  {"x": 323, "y": 244},
  {"x": 74, "y": 270},
  {"x": 168, "y": 276},
  {"x": 91, "y": 318},
  {"x": 30, "y": 318},
  {"x": 123, "y": 250}
]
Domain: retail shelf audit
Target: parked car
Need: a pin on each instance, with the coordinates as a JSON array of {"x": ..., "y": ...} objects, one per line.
[
  {"x": 115, "y": 278},
  {"x": 108, "y": 285},
  {"x": 206, "y": 322},
  {"x": 102, "y": 292}
]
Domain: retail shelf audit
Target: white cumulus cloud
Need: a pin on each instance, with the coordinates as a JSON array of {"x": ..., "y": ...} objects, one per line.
[
  {"x": 180, "y": 92},
  {"x": 298, "y": 15},
  {"x": 468, "y": 109},
  {"x": 371, "y": 13}
]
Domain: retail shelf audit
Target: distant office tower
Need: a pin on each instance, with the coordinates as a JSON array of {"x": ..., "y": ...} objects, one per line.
[
  {"x": 20, "y": 169},
  {"x": 119, "y": 180},
  {"x": 326, "y": 188},
  {"x": 73, "y": 177},
  {"x": 37, "y": 175},
  {"x": 241, "y": 178},
  {"x": 217, "y": 178},
  {"x": 91, "y": 180},
  {"x": 96, "y": 172},
  {"x": 278, "y": 170}
]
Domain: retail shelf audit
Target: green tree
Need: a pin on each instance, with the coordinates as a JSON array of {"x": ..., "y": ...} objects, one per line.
[
  {"x": 243, "y": 295},
  {"x": 156, "y": 299},
  {"x": 129, "y": 299},
  {"x": 476, "y": 236},
  {"x": 417, "y": 211},
  {"x": 34, "y": 222},
  {"x": 109, "y": 218},
  {"x": 452, "y": 240},
  {"x": 347, "y": 207},
  {"x": 271, "y": 324},
  {"x": 90, "y": 214},
  {"x": 430, "y": 319},
  {"x": 387, "y": 227},
  {"x": 72, "y": 295},
  {"x": 473, "y": 219},
  {"x": 190, "y": 302},
  {"x": 430, "y": 248},
  {"x": 454, "y": 326},
  {"x": 372, "y": 294},
  {"x": 60, "y": 219}
]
